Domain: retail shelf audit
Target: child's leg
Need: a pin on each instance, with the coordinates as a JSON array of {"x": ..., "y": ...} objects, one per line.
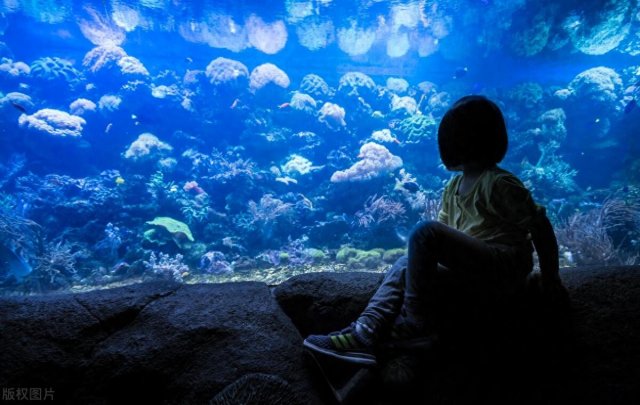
[
  {"x": 385, "y": 304},
  {"x": 432, "y": 243}
]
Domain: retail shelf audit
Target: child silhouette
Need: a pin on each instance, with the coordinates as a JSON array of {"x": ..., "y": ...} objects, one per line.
[{"x": 486, "y": 231}]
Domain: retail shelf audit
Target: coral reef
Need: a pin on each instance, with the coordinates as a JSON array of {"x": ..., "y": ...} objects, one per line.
[
  {"x": 315, "y": 33},
  {"x": 332, "y": 115},
  {"x": 266, "y": 74},
  {"x": 227, "y": 72},
  {"x": 103, "y": 58},
  {"x": 357, "y": 84},
  {"x": 315, "y": 86},
  {"x": 602, "y": 30},
  {"x": 166, "y": 267},
  {"x": 81, "y": 106},
  {"x": 53, "y": 122},
  {"x": 146, "y": 146},
  {"x": 416, "y": 128},
  {"x": 355, "y": 40},
  {"x": 269, "y": 38},
  {"x": 376, "y": 160}
]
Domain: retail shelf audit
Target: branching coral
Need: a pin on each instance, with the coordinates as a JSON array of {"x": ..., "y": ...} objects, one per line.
[
  {"x": 378, "y": 210},
  {"x": 585, "y": 236},
  {"x": 101, "y": 30},
  {"x": 167, "y": 267}
]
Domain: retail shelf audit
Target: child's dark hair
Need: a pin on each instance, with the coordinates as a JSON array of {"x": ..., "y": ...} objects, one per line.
[{"x": 473, "y": 130}]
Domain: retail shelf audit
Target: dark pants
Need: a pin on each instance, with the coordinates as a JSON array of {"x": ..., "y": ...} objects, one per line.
[{"x": 442, "y": 260}]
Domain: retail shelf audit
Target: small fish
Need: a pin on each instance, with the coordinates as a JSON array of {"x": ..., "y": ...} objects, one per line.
[
  {"x": 284, "y": 105},
  {"x": 188, "y": 60},
  {"x": 235, "y": 103},
  {"x": 19, "y": 107},
  {"x": 597, "y": 120},
  {"x": 134, "y": 117},
  {"x": 630, "y": 106},
  {"x": 119, "y": 181},
  {"x": 460, "y": 72},
  {"x": 108, "y": 128}
]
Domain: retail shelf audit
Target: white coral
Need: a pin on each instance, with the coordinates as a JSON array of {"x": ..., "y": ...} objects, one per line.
[
  {"x": 146, "y": 145},
  {"x": 265, "y": 74},
  {"x": 376, "y": 160},
  {"x": 53, "y": 122}
]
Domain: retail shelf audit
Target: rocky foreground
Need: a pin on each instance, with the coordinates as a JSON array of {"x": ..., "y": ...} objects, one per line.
[{"x": 242, "y": 343}]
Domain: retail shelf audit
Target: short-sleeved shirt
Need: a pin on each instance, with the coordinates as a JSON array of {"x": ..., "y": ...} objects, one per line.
[{"x": 498, "y": 208}]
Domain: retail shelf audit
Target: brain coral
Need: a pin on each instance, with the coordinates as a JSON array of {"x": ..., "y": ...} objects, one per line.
[
  {"x": 315, "y": 86},
  {"x": 315, "y": 33},
  {"x": 53, "y": 122},
  {"x": 227, "y": 72},
  {"x": 265, "y": 74},
  {"x": 356, "y": 84},
  {"x": 103, "y": 57},
  {"x": 54, "y": 70},
  {"x": 417, "y": 127},
  {"x": 600, "y": 85}
]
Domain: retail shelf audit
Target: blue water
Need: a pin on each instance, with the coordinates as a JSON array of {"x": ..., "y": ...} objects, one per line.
[{"x": 79, "y": 202}]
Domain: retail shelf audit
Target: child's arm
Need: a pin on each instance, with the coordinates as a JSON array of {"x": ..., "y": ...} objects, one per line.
[{"x": 544, "y": 240}]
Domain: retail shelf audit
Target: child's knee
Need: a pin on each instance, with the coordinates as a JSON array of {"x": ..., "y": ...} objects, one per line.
[{"x": 424, "y": 231}]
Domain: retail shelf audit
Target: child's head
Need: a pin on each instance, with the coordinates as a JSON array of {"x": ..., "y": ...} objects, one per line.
[{"x": 472, "y": 131}]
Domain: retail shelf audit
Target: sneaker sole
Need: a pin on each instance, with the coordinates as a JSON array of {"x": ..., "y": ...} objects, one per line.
[{"x": 352, "y": 357}]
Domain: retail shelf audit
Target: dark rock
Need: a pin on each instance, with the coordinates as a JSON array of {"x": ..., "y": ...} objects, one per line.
[
  {"x": 325, "y": 302},
  {"x": 149, "y": 343},
  {"x": 171, "y": 343},
  {"x": 526, "y": 351}
]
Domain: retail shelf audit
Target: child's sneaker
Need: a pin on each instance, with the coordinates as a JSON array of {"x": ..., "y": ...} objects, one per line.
[{"x": 349, "y": 344}]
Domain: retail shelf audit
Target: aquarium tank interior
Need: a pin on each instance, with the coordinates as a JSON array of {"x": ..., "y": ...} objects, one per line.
[{"x": 216, "y": 141}]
